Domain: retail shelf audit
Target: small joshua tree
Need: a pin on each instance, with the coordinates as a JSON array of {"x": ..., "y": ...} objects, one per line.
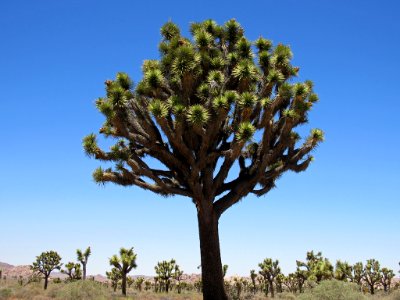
[
  {"x": 214, "y": 98},
  {"x": 386, "y": 278},
  {"x": 372, "y": 274},
  {"x": 270, "y": 270},
  {"x": 124, "y": 264},
  {"x": 343, "y": 271},
  {"x": 73, "y": 271},
  {"x": 139, "y": 283},
  {"x": 165, "y": 272},
  {"x": 224, "y": 270},
  {"x": 253, "y": 277},
  {"x": 130, "y": 281},
  {"x": 114, "y": 276},
  {"x": 83, "y": 259},
  {"x": 45, "y": 263},
  {"x": 178, "y": 277},
  {"x": 317, "y": 267}
]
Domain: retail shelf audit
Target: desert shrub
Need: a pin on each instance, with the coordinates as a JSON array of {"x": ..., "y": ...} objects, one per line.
[
  {"x": 82, "y": 290},
  {"x": 333, "y": 290},
  {"x": 5, "y": 293}
]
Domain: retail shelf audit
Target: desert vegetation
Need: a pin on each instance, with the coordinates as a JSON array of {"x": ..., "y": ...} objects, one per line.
[{"x": 314, "y": 278}]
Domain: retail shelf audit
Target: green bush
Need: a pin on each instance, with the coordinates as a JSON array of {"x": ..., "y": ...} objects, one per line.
[
  {"x": 83, "y": 290},
  {"x": 5, "y": 293},
  {"x": 333, "y": 290}
]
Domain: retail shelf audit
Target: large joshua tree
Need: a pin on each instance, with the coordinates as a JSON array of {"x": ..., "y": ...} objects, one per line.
[{"x": 208, "y": 103}]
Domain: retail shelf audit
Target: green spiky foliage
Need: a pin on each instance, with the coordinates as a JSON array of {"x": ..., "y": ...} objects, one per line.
[
  {"x": 372, "y": 274},
  {"x": 165, "y": 271},
  {"x": 270, "y": 269},
  {"x": 386, "y": 278},
  {"x": 115, "y": 277},
  {"x": 83, "y": 256},
  {"x": 205, "y": 101},
  {"x": 45, "y": 263},
  {"x": 73, "y": 270},
  {"x": 343, "y": 271},
  {"x": 124, "y": 263},
  {"x": 317, "y": 267}
]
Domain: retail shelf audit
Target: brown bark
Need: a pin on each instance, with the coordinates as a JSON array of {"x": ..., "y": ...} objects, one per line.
[
  {"x": 123, "y": 284},
  {"x": 211, "y": 266},
  {"x": 46, "y": 281}
]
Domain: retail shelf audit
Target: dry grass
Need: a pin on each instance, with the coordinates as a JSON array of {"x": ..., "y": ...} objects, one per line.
[{"x": 90, "y": 290}]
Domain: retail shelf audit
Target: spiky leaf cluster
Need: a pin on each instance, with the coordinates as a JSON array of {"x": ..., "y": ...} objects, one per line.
[{"x": 206, "y": 99}]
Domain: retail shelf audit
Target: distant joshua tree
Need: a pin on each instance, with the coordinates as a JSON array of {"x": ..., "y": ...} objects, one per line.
[
  {"x": 124, "y": 264},
  {"x": 45, "y": 263},
  {"x": 253, "y": 277},
  {"x": 343, "y": 271},
  {"x": 224, "y": 270},
  {"x": 83, "y": 259},
  {"x": 372, "y": 274},
  {"x": 386, "y": 278},
  {"x": 139, "y": 283},
  {"x": 165, "y": 272},
  {"x": 270, "y": 270},
  {"x": 178, "y": 277},
  {"x": 73, "y": 271}
]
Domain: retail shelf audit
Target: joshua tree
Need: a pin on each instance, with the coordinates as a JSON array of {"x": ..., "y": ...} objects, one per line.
[
  {"x": 386, "y": 278},
  {"x": 343, "y": 271},
  {"x": 357, "y": 276},
  {"x": 139, "y": 283},
  {"x": 253, "y": 277},
  {"x": 291, "y": 282},
  {"x": 207, "y": 102},
  {"x": 301, "y": 277},
  {"x": 224, "y": 270},
  {"x": 147, "y": 285},
  {"x": 270, "y": 270},
  {"x": 165, "y": 272},
  {"x": 73, "y": 271},
  {"x": 45, "y": 263},
  {"x": 114, "y": 276},
  {"x": 318, "y": 268},
  {"x": 178, "y": 277},
  {"x": 124, "y": 264},
  {"x": 83, "y": 259},
  {"x": 130, "y": 281},
  {"x": 238, "y": 283},
  {"x": 372, "y": 274},
  {"x": 279, "y": 279}
]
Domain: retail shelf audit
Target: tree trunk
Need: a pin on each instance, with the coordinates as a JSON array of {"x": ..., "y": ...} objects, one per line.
[
  {"x": 271, "y": 284},
  {"x": 84, "y": 271},
  {"x": 123, "y": 283},
  {"x": 211, "y": 266},
  {"x": 46, "y": 281}
]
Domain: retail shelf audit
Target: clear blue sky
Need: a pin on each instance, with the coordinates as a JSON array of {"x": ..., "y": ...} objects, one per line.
[{"x": 54, "y": 58}]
